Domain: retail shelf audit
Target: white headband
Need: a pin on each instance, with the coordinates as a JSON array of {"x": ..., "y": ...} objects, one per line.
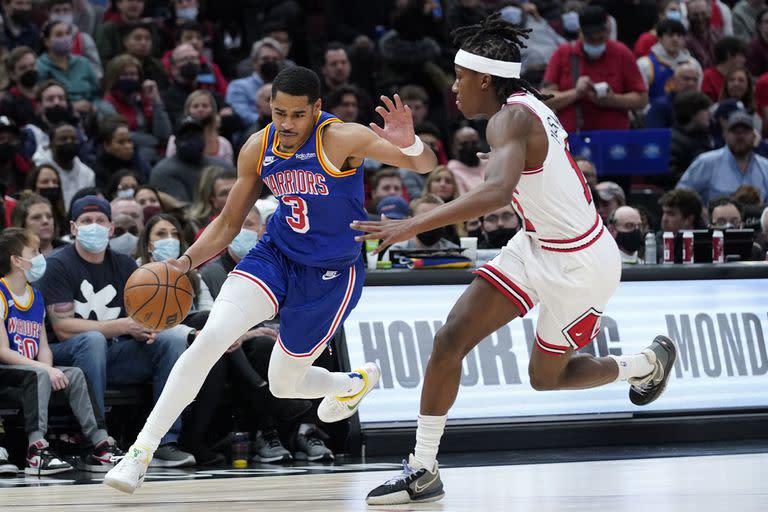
[{"x": 485, "y": 65}]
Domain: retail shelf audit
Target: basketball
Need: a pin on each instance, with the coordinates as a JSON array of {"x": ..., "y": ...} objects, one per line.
[{"x": 157, "y": 296}]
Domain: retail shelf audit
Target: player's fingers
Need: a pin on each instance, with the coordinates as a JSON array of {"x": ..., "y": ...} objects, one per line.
[
  {"x": 398, "y": 102},
  {"x": 382, "y": 112},
  {"x": 377, "y": 129},
  {"x": 388, "y": 103},
  {"x": 369, "y": 236},
  {"x": 409, "y": 111},
  {"x": 368, "y": 226}
]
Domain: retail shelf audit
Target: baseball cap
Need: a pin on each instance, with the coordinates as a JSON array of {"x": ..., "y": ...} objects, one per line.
[
  {"x": 728, "y": 106},
  {"x": 186, "y": 123},
  {"x": 593, "y": 19},
  {"x": 740, "y": 117},
  {"x": 90, "y": 204},
  {"x": 393, "y": 207},
  {"x": 609, "y": 190},
  {"x": 6, "y": 123}
]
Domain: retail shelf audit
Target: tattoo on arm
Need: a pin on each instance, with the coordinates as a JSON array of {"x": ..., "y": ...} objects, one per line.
[{"x": 61, "y": 311}]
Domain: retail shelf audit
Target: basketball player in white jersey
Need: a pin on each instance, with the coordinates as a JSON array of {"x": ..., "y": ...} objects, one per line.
[{"x": 563, "y": 259}]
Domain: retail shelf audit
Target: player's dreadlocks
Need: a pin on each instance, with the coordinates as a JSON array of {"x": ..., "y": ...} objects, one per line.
[{"x": 496, "y": 38}]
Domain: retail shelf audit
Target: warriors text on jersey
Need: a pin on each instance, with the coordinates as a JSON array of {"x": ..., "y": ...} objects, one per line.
[
  {"x": 23, "y": 322},
  {"x": 317, "y": 201},
  {"x": 554, "y": 200}
]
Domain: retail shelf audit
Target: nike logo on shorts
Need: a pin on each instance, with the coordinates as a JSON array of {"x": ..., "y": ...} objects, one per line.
[{"x": 330, "y": 274}]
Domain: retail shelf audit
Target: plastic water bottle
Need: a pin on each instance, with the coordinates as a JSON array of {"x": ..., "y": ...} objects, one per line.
[
  {"x": 240, "y": 445},
  {"x": 650, "y": 248}
]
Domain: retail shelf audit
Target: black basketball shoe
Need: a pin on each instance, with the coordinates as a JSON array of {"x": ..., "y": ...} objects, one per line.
[
  {"x": 661, "y": 354},
  {"x": 411, "y": 486}
]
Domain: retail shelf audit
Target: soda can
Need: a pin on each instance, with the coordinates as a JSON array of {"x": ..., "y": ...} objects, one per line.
[
  {"x": 718, "y": 255},
  {"x": 687, "y": 247},
  {"x": 669, "y": 247}
]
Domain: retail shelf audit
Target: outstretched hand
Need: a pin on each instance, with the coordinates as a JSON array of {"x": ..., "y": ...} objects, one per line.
[
  {"x": 387, "y": 230},
  {"x": 398, "y": 122}
]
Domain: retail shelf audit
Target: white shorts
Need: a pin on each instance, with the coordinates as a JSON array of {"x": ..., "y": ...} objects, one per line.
[{"x": 573, "y": 287}]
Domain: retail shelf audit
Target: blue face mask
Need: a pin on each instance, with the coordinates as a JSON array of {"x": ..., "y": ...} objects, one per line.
[
  {"x": 187, "y": 13},
  {"x": 244, "y": 242},
  {"x": 674, "y": 16},
  {"x": 37, "y": 270},
  {"x": 93, "y": 237},
  {"x": 166, "y": 249},
  {"x": 570, "y": 21},
  {"x": 593, "y": 51}
]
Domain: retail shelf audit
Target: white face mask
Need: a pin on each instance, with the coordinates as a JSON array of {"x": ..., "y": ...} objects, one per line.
[{"x": 126, "y": 193}]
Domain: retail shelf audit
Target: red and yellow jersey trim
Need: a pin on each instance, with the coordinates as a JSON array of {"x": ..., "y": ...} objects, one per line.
[
  {"x": 5, "y": 302},
  {"x": 327, "y": 166},
  {"x": 263, "y": 150}
]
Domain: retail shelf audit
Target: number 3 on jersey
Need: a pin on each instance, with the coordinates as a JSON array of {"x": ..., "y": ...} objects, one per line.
[{"x": 298, "y": 220}]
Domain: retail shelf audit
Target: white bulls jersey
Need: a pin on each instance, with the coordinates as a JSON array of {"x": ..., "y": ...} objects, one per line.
[{"x": 554, "y": 200}]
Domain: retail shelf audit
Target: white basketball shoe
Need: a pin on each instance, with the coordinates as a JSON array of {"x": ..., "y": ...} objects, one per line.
[
  {"x": 337, "y": 408},
  {"x": 128, "y": 474}
]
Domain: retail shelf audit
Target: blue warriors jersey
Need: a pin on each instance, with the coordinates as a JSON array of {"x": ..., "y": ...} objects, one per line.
[
  {"x": 317, "y": 201},
  {"x": 23, "y": 322}
]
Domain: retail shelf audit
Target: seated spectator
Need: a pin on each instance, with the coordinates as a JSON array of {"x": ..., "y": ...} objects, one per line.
[
  {"x": 499, "y": 227},
  {"x": 668, "y": 10},
  {"x": 730, "y": 54},
  {"x": 81, "y": 332},
  {"x": 588, "y": 169},
  {"x": 72, "y": 71},
  {"x": 681, "y": 209},
  {"x": 665, "y": 57},
  {"x": 432, "y": 239},
  {"x": 137, "y": 41},
  {"x": 757, "y": 60},
  {"x": 386, "y": 182},
  {"x": 687, "y": 77},
  {"x": 722, "y": 171},
  {"x": 600, "y": 60},
  {"x": 442, "y": 183},
  {"x": 178, "y": 175},
  {"x": 745, "y": 19},
  {"x": 13, "y": 165},
  {"x": 209, "y": 76},
  {"x": 393, "y": 207},
  {"x": 61, "y": 153},
  {"x": 612, "y": 196},
  {"x": 34, "y": 213},
  {"x": 19, "y": 101},
  {"x": 122, "y": 185},
  {"x": 626, "y": 227},
  {"x": 117, "y": 152},
  {"x": 139, "y": 103},
  {"x": 725, "y": 213},
  {"x": 29, "y": 365},
  {"x": 344, "y": 103},
  {"x": 466, "y": 165},
  {"x": 44, "y": 180},
  {"x": 266, "y": 58},
  {"x": 148, "y": 197},
  {"x": 702, "y": 35},
  {"x": 210, "y": 196},
  {"x": 18, "y": 27},
  {"x": 53, "y": 107},
  {"x": 129, "y": 207},
  {"x": 690, "y": 135},
  {"x": 739, "y": 86},
  {"x": 162, "y": 239},
  {"x": 108, "y": 35},
  {"x": 201, "y": 106},
  {"x": 336, "y": 68},
  {"x": 185, "y": 69},
  {"x": 82, "y": 42}
]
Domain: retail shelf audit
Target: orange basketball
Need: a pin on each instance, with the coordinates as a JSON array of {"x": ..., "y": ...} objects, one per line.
[{"x": 157, "y": 296}]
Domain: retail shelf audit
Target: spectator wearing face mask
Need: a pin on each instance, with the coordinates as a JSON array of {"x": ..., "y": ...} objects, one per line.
[
  {"x": 128, "y": 218},
  {"x": 266, "y": 58},
  {"x": 178, "y": 175},
  {"x": 466, "y": 165},
  {"x": 432, "y": 239},
  {"x": 18, "y": 101},
  {"x": 668, "y": 10},
  {"x": 201, "y": 105},
  {"x": 116, "y": 152},
  {"x": 626, "y": 226},
  {"x": 73, "y": 71},
  {"x": 44, "y": 180},
  {"x": 210, "y": 76},
  {"x": 82, "y": 42},
  {"x": 61, "y": 153},
  {"x": 17, "y": 26},
  {"x": 122, "y": 185},
  {"x": 498, "y": 228},
  {"x": 53, "y": 107},
  {"x": 13, "y": 165}
]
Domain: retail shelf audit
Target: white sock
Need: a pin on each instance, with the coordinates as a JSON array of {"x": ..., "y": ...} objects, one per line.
[
  {"x": 428, "y": 434},
  {"x": 240, "y": 305},
  {"x": 295, "y": 377},
  {"x": 635, "y": 365}
]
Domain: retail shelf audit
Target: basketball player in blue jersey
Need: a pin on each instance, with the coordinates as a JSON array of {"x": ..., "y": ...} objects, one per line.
[{"x": 307, "y": 267}]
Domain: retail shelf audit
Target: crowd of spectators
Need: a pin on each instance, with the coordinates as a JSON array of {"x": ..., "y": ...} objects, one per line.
[{"x": 121, "y": 122}]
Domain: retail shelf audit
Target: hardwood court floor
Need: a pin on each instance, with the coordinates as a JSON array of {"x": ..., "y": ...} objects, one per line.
[{"x": 731, "y": 483}]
